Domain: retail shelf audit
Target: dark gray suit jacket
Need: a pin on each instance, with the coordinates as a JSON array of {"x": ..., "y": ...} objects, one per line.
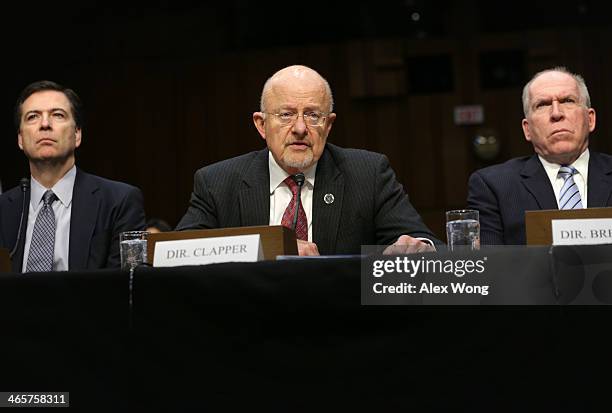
[
  {"x": 370, "y": 206},
  {"x": 101, "y": 209},
  {"x": 502, "y": 193}
]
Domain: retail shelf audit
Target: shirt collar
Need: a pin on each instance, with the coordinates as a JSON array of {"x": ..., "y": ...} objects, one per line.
[
  {"x": 581, "y": 164},
  {"x": 278, "y": 174},
  {"x": 62, "y": 189}
]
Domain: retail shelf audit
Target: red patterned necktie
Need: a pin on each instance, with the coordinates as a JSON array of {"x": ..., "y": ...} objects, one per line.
[{"x": 301, "y": 227}]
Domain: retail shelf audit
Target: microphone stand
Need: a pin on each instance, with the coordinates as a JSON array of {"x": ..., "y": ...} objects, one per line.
[{"x": 25, "y": 185}]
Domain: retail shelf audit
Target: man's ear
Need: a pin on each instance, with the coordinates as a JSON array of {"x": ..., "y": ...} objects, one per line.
[
  {"x": 592, "y": 119},
  {"x": 259, "y": 119},
  {"x": 77, "y": 137},
  {"x": 330, "y": 121},
  {"x": 526, "y": 130},
  {"x": 20, "y": 141}
]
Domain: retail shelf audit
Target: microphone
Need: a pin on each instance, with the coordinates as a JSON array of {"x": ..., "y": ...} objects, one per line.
[
  {"x": 24, "y": 183},
  {"x": 299, "y": 180}
]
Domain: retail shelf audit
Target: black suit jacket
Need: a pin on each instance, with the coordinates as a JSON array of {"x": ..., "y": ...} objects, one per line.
[
  {"x": 502, "y": 193},
  {"x": 101, "y": 209},
  {"x": 370, "y": 206}
]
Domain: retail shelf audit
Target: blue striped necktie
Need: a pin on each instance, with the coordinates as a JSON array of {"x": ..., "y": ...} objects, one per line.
[
  {"x": 569, "y": 197},
  {"x": 42, "y": 245}
]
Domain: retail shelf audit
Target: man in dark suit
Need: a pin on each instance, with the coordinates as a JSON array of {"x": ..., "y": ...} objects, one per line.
[
  {"x": 71, "y": 219},
  {"x": 348, "y": 197},
  {"x": 562, "y": 174}
]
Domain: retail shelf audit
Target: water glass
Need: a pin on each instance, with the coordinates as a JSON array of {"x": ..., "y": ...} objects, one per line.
[
  {"x": 133, "y": 249},
  {"x": 463, "y": 229}
]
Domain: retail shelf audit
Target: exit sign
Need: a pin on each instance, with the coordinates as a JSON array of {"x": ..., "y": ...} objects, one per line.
[{"x": 469, "y": 115}]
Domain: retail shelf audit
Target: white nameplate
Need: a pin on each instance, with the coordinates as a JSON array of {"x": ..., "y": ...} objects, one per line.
[
  {"x": 590, "y": 231},
  {"x": 198, "y": 251}
]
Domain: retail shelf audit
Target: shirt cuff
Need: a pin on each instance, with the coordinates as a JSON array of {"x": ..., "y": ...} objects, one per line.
[{"x": 427, "y": 241}]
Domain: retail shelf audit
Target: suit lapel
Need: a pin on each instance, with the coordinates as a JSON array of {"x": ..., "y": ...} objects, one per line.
[
  {"x": 83, "y": 218},
  {"x": 254, "y": 194},
  {"x": 326, "y": 216},
  {"x": 537, "y": 183},
  {"x": 599, "y": 181}
]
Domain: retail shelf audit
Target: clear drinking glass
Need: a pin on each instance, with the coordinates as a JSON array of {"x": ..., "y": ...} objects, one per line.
[
  {"x": 133, "y": 249},
  {"x": 463, "y": 229}
]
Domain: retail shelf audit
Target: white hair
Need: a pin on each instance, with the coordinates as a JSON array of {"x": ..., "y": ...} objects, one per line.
[{"x": 582, "y": 88}]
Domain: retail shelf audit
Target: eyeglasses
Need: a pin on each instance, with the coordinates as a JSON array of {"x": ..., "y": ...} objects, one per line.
[{"x": 310, "y": 118}]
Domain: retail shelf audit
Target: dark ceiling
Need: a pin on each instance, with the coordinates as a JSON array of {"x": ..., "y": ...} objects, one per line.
[{"x": 240, "y": 24}]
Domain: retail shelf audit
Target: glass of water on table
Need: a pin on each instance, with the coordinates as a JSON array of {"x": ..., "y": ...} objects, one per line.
[
  {"x": 133, "y": 249},
  {"x": 463, "y": 230}
]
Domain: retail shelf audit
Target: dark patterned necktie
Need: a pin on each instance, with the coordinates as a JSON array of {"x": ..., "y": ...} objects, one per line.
[
  {"x": 42, "y": 245},
  {"x": 301, "y": 226}
]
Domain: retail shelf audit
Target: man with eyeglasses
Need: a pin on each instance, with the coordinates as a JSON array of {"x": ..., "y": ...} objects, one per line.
[
  {"x": 563, "y": 173},
  {"x": 336, "y": 199}
]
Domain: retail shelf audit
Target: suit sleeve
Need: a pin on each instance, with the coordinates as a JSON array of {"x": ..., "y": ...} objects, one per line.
[
  {"x": 484, "y": 199},
  {"x": 130, "y": 217},
  {"x": 2, "y": 241},
  {"x": 202, "y": 211},
  {"x": 394, "y": 214}
]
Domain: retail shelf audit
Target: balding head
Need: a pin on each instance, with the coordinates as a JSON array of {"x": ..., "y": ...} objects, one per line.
[
  {"x": 296, "y": 117},
  {"x": 297, "y": 76}
]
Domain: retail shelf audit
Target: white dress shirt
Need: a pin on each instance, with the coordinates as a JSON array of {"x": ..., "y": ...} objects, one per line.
[
  {"x": 281, "y": 195},
  {"x": 580, "y": 178},
  {"x": 62, "y": 209}
]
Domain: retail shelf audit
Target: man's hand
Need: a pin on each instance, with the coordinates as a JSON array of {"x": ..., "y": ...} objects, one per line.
[
  {"x": 307, "y": 248},
  {"x": 405, "y": 244}
]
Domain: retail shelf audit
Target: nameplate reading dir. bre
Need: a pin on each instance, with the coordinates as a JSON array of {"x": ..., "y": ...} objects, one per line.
[
  {"x": 199, "y": 251},
  {"x": 592, "y": 231}
]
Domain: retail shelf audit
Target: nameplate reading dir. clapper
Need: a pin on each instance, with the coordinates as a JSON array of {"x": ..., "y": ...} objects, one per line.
[
  {"x": 199, "y": 251},
  {"x": 582, "y": 231}
]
